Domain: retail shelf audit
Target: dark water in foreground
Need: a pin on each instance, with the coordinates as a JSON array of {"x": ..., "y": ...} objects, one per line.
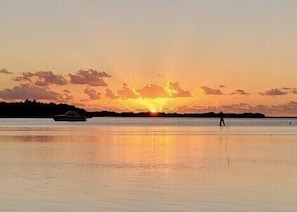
[{"x": 148, "y": 164}]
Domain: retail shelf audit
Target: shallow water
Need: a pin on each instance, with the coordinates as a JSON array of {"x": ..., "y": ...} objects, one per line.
[{"x": 148, "y": 164}]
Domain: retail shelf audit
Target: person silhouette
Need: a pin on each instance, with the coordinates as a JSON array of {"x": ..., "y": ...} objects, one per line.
[{"x": 222, "y": 122}]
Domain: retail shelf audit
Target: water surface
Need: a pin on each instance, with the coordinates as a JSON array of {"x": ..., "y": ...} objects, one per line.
[{"x": 148, "y": 164}]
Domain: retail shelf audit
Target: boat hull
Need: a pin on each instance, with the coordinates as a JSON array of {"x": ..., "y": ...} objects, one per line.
[{"x": 70, "y": 116}]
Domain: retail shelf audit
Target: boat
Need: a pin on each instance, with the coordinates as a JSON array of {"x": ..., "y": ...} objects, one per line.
[{"x": 70, "y": 115}]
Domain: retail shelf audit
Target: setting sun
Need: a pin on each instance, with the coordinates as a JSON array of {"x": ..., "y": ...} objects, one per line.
[{"x": 153, "y": 110}]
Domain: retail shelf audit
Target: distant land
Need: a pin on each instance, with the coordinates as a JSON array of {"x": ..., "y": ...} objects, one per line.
[{"x": 34, "y": 109}]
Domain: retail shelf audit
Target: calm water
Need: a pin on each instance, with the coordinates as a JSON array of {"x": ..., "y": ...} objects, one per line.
[{"x": 148, "y": 164}]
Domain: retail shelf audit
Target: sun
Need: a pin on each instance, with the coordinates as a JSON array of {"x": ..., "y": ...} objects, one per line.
[{"x": 153, "y": 110}]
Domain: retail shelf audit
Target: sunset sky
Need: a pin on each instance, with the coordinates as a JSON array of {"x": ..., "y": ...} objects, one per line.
[{"x": 185, "y": 56}]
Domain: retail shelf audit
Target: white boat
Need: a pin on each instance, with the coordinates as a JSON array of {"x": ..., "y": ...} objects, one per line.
[{"x": 70, "y": 116}]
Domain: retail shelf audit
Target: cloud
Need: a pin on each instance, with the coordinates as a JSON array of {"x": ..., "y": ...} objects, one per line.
[
  {"x": 273, "y": 92},
  {"x": 175, "y": 90},
  {"x": 290, "y": 90},
  {"x": 240, "y": 92},
  {"x": 89, "y": 77},
  {"x": 5, "y": 71},
  {"x": 25, "y": 77},
  {"x": 171, "y": 90},
  {"x": 66, "y": 95},
  {"x": 233, "y": 108},
  {"x": 29, "y": 92},
  {"x": 41, "y": 78},
  {"x": 222, "y": 86},
  {"x": 211, "y": 91},
  {"x": 66, "y": 91},
  {"x": 47, "y": 78},
  {"x": 286, "y": 109},
  {"x": 109, "y": 94},
  {"x": 152, "y": 91},
  {"x": 290, "y": 107},
  {"x": 92, "y": 93},
  {"x": 294, "y": 90},
  {"x": 127, "y": 93}
]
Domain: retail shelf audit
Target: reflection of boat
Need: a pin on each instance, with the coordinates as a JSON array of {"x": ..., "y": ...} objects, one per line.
[{"x": 70, "y": 116}]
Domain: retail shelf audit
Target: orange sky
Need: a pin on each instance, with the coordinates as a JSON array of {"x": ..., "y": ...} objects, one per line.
[{"x": 172, "y": 56}]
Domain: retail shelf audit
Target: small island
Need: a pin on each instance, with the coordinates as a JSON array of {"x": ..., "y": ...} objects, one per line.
[{"x": 34, "y": 109}]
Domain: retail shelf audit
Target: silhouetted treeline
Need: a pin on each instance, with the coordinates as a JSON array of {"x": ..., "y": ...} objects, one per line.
[{"x": 34, "y": 109}]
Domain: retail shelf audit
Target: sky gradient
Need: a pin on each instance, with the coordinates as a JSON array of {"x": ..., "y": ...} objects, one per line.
[{"x": 145, "y": 55}]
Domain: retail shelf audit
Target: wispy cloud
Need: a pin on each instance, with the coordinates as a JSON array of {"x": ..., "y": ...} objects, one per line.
[
  {"x": 66, "y": 91},
  {"x": 5, "y": 71},
  {"x": 294, "y": 90},
  {"x": 211, "y": 91},
  {"x": 66, "y": 95},
  {"x": 89, "y": 77},
  {"x": 24, "y": 77},
  {"x": 290, "y": 90}
]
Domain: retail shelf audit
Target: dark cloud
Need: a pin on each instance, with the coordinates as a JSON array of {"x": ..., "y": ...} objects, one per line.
[
  {"x": 211, "y": 91},
  {"x": 152, "y": 91},
  {"x": 89, "y": 77},
  {"x": 222, "y": 86},
  {"x": 47, "y": 78},
  {"x": 273, "y": 92},
  {"x": 92, "y": 93},
  {"x": 127, "y": 93},
  {"x": 240, "y": 92},
  {"x": 176, "y": 91},
  {"x": 41, "y": 78},
  {"x": 5, "y": 71},
  {"x": 109, "y": 94},
  {"x": 29, "y": 92}
]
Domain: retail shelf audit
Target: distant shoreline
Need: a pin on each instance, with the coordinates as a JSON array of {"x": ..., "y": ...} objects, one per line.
[
  {"x": 176, "y": 115},
  {"x": 197, "y": 117},
  {"x": 34, "y": 109}
]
